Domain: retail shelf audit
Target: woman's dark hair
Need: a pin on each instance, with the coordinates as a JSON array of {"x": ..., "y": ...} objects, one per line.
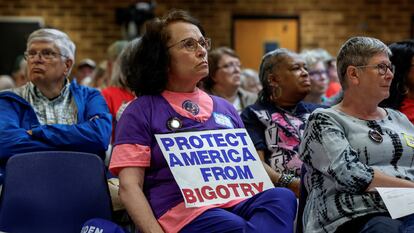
[
  {"x": 213, "y": 60},
  {"x": 269, "y": 64},
  {"x": 402, "y": 53},
  {"x": 147, "y": 72}
]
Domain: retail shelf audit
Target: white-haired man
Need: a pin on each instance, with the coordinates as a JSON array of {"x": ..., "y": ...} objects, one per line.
[{"x": 49, "y": 112}]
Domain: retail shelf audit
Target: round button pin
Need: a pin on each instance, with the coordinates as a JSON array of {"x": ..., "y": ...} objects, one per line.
[
  {"x": 174, "y": 123},
  {"x": 375, "y": 136}
]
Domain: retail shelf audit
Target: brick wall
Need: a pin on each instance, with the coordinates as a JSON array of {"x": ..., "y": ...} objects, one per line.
[{"x": 323, "y": 23}]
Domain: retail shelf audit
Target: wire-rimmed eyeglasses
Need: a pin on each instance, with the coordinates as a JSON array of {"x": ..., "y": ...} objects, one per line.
[
  {"x": 191, "y": 44},
  {"x": 382, "y": 68},
  {"x": 234, "y": 65},
  {"x": 318, "y": 74},
  {"x": 47, "y": 54}
]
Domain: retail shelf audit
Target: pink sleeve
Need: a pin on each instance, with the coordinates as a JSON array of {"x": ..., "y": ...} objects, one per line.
[{"x": 129, "y": 155}]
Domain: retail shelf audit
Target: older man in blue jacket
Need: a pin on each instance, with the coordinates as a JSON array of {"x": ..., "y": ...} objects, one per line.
[{"x": 49, "y": 112}]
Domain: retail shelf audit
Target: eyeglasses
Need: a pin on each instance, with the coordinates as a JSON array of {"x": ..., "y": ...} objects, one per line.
[
  {"x": 317, "y": 74},
  {"x": 382, "y": 68},
  {"x": 230, "y": 65},
  {"x": 47, "y": 54},
  {"x": 191, "y": 44}
]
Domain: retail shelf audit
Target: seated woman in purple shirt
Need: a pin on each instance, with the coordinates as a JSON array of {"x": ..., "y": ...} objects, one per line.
[{"x": 163, "y": 72}]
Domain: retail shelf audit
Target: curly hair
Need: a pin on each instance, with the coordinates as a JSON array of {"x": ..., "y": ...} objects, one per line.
[{"x": 147, "y": 67}]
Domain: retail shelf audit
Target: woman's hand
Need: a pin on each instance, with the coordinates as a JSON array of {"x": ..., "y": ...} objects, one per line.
[
  {"x": 295, "y": 186},
  {"x": 275, "y": 176},
  {"x": 383, "y": 180}
]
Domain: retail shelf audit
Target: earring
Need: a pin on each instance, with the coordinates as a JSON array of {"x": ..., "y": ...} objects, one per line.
[{"x": 276, "y": 92}]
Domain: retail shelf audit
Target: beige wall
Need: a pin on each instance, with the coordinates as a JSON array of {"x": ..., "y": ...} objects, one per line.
[{"x": 323, "y": 23}]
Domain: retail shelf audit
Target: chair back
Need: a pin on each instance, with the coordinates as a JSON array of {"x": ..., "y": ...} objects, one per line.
[{"x": 53, "y": 191}]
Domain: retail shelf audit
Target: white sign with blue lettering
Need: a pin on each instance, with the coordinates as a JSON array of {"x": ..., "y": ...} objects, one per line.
[{"x": 215, "y": 166}]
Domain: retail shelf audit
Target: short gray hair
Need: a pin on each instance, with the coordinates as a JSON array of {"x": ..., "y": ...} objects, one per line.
[
  {"x": 247, "y": 74},
  {"x": 357, "y": 51},
  {"x": 65, "y": 45},
  {"x": 312, "y": 58}
]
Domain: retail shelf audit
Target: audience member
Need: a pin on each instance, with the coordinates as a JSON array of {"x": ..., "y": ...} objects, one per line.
[
  {"x": 84, "y": 72},
  {"x": 49, "y": 112},
  {"x": 224, "y": 78},
  {"x": 318, "y": 77},
  {"x": 6, "y": 82},
  {"x": 250, "y": 81},
  {"x": 112, "y": 54},
  {"x": 353, "y": 147},
  {"x": 99, "y": 80},
  {"x": 277, "y": 120},
  {"x": 402, "y": 87},
  {"x": 334, "y": 87},
  {"x": 19, "y": 72},
  {"x": 118, "y": 93},
  {"x": 164, "y": 70}
]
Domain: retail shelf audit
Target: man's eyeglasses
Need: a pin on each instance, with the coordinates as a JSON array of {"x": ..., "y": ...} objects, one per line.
[
  {"x": 382, "y": 68},
  {"x": 191, "y": 44},
  {"x": 47, "y": 54},
  {"x": 229, "y": 65}
]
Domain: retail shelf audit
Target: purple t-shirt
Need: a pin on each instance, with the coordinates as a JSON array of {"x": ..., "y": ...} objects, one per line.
[{"x": 147, "y": 116}]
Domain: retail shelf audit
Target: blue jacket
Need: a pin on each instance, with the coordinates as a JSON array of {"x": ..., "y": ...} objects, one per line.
[{"x": 91, "y": 133}]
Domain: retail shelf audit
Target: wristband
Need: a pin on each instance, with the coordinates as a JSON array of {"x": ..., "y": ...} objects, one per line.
[{"x": 285, "y": 180}]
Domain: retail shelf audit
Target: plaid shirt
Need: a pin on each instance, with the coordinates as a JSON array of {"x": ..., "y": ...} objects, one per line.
[{"x": 60, "y": 110}]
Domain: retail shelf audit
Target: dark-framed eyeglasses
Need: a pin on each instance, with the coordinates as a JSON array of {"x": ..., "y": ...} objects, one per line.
[
  {"x": 191, "y": 44},
  {"x": 382, "y": 68},
  {"x": 46, "y": 54}
]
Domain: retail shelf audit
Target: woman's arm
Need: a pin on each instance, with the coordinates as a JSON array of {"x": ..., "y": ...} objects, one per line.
[
  {"x": 380, "y": 179},
  {"x": 275, "y": 176},
  {"x": 130, "y": 191},
  {"x": 333, "y": 161}
]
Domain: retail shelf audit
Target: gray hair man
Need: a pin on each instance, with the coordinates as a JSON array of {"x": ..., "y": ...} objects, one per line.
[{"x": 49, "y": 112}]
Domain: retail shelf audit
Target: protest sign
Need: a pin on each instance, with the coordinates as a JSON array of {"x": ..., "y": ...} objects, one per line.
[{"x": 215, "y": 166}]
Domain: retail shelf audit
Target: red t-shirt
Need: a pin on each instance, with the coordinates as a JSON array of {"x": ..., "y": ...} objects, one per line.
[
  {"x": 407, "y": 107},
  {"x": 333, "y": 88},
  {"x": 115, "y": 97}
]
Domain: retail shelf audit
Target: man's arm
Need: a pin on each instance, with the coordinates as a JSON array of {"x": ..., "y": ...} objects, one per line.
[
  {"x": 14, "y": 138},
  {"x": 92, "y": 135}
]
